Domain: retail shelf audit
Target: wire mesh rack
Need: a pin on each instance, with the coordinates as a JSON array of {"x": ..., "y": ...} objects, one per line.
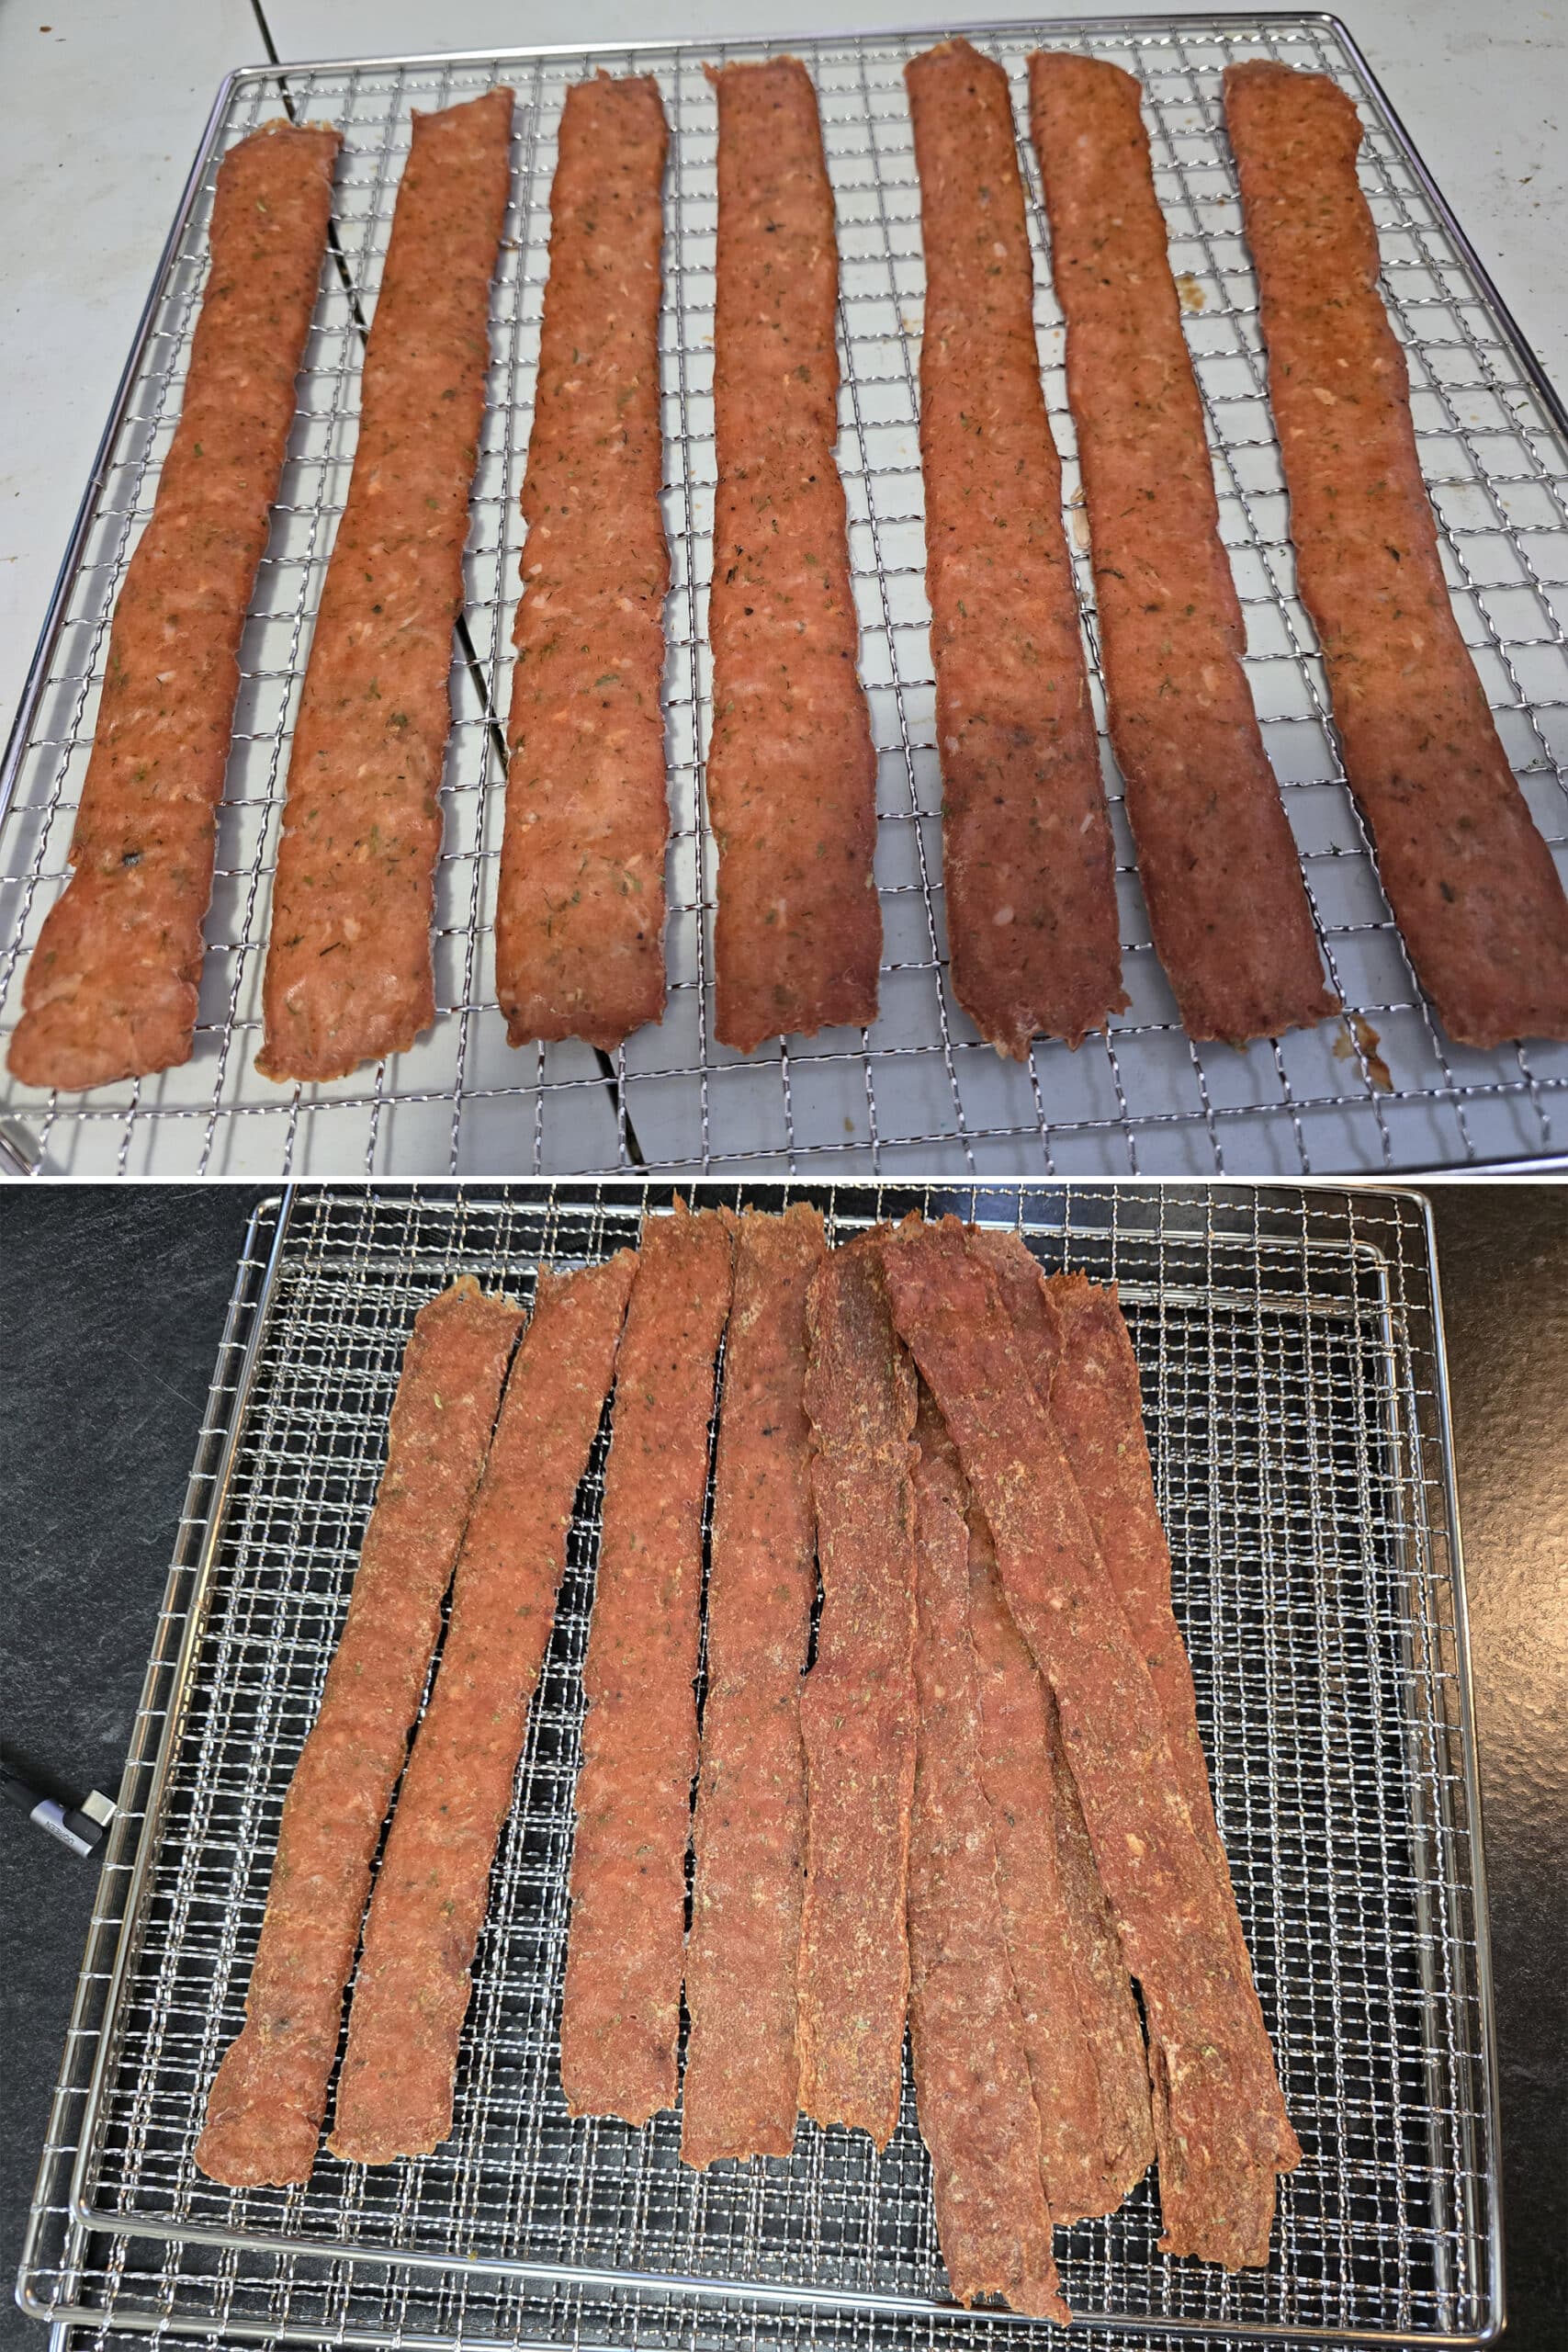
[
  {"x": 919, "y": 1092},
  {"x": 1293, "y": 1389}
]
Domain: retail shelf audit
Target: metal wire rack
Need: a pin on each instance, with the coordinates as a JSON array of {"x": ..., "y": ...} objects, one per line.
[
  {"x": 1293, "y": 1386},
  {"x": 918, "y": 1093}
]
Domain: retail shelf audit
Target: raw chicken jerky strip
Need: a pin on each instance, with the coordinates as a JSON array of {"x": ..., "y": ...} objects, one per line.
[
  {"x": 349, "y": 976},
  {"x": 111, "y": 990},
  {"x": 1472, "y": 883},
  {"x": 1216, "y": 2100},
  {"x": 791, "y": 768},
  {"x": 265, "y": 2110},
  {"x": 1080, "y": 2022},
  {"x": 1027, "y": 859},
  {"x": 741, "y": 2088},
  {"x": 621, "y": 2009},
  {"x": 976, "y": 2110},
  {"x": 857, "y": 1706},
  {"x": 1226, "y": 903},
  {"x": 411, "y": 1992},
  {"x": 580, "y": 917}
]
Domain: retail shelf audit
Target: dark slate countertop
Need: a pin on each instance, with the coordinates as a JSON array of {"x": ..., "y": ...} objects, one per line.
[{"x": 111, "y": 1305}]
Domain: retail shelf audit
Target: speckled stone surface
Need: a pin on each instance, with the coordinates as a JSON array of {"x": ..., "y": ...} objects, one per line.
[{"x": 111, "y": 1304}]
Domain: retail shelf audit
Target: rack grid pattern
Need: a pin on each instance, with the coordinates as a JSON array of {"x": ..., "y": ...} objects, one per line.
[
  {"x": 1293, "y": 1389},
  {"x": 919, "y": 1092}
]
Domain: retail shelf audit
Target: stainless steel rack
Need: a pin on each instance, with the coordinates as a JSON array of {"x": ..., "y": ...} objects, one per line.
[
  {"x": 918, "y": 1093},
  {"x": 1294, "y": 1390}
]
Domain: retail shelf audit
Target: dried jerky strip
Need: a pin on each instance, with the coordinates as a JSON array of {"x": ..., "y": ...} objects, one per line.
[
  {"x": 977, "y": 2112},
  {"x": 111, "y": 990},
  {"x": 349, "y": 973},
  {"x": 1027, "y": 860},
  {"x": 265, "y": 2110},
  {"x": 411, "y": 1992},
  {"x": 742, "y": 2090},
  {"x": 857, "y": 1707},
  {"x": 1227, "y": 905},
  {"x": 580, "y": 915},
  {"x": 790, "y": 767},
  {"x": 621, "y": 2009},
  {"x": 1471, "y": 882},
  {"x": 1216, "y": 2102}
]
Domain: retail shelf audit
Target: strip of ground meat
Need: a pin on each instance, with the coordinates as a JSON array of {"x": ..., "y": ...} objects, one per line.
[
  {"x": 791, "y": 766},
  {"x": 1222, "y": 879},
  {"x": 857, "y": 1706},
  {"x": 112, "y": 985},
  {"x": 742, "y": 2090},
  {"x": 1471, "y": 882},
  {"x": 977, "y": 2112},
  {"x": 580, "y": 915},
  {"x": 1217, "y": 2100},
  {"x": 349, "y": 973},
  {"x": 621, "y": 2006},
  {"x": 1028, "y": 865},
  {"x": 411, "y": 1992},
  {"x": 265, "y": 2110}
]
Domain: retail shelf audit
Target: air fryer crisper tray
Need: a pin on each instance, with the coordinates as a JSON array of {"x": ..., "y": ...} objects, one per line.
[
  {"x": 1294, "y": 1389},
  {"x": 918, "y": 1093}
]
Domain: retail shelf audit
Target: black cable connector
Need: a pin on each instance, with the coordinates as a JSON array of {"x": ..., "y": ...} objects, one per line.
[{"x": 79, "y": 1827}]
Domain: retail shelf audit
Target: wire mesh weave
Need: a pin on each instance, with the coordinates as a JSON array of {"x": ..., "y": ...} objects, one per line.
[
  {"x": 1294, "y": 1393},
  {"x": 918, "y": 1093}
]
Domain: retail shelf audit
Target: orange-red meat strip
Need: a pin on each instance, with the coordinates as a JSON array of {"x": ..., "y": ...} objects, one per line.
[
  {"x": 1227, "y": 905},
  {"x": 1028, "y": 865},
  {"x": 1472, "y": 883},
  {"x": 857, "y": 1706},
  {"x": 621, "y": 2009},
  {"x": 741, "y": 2088},
  {"x": 411, "y": 1992},
  {"x": 790, "y": 767},
  {"x": 111, "y": 989},
  {"x": 580, "y": 918},
  {"x": 265, "y": 2110},
  {"x": 349, "y": 972}
]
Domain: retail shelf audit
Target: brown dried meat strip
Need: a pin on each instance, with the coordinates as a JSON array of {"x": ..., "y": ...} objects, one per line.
[
  {"x": 621, "y": 2009},
  {"x": 977, "y": 2109},
  {"x": 265, "y": 2110},
  {"x": 411, "y": 1992},
  {"x": 1023, "y": 1293},
  {"x": 1216, "y": 2100},
  {"x": 1227, "y": 905},
  {"x": 857, "y": 1706},
  {"x": 742, "y": 2083},
  {"x": 790, "y": 767},
  {"x": 111, "y": 990},
  {"x": 580, "y": 915},
  {"x": 1472, "y": 883},
  {"x": 349, "y": 975},
  {"x": 1028, "y": 865}
]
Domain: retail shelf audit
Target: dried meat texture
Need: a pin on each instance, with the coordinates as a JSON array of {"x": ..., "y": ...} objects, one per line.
[
  {"x": 112, "y": 986},
  {"x": 1021, "y": 1287},
  {"x": 1027, "y": 866},
  {"x": 791, "y": 766},
  {"x": 1471, "y": 882},
  {"x": 1080, "y": 2021},
  {"x": 973, "y": 2093},
  {"x": 621, "y": 2007},
  {"x": 1222, "y": 879},
  {"x": 265, "y": 2110},
  {"x": 742, "y": 2089},
  {"x": 1217, "y": 2111},
  {"x": 411, "y": 1991},
  {"x": 857, "y": 1706},
  {"x": 349, "y": 972},
  {"x": 580, "y": 915}
]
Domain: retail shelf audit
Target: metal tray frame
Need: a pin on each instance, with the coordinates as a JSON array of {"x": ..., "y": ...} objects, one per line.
[
  {"x": 918, "y": 1093},
  {"x": 1196, "y": 1265}
]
